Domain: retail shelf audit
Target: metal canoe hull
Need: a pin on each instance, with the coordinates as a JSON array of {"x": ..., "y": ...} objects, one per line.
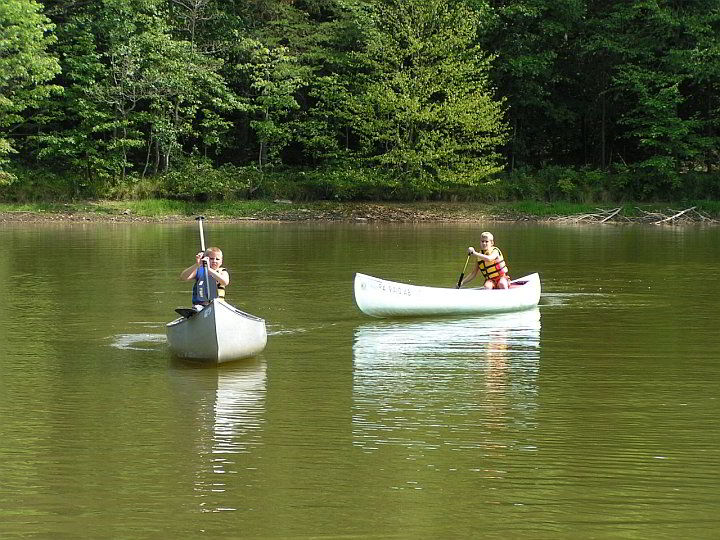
[{"x": 219, "y": 333}]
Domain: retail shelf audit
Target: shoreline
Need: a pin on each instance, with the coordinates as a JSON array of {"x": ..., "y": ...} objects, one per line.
[
  {"x": 331, "y": 213},
  {"x": 337, "y": 212}
]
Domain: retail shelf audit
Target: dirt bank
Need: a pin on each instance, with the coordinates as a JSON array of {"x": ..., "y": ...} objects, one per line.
[
  {"x": 290, "y": 213},
  {"x": 285, "y": 211}
]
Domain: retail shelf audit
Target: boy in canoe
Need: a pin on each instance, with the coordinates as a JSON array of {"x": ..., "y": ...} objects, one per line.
[
  {"x": 490, "y": 263},
  {"x": 213, "y": 257}
]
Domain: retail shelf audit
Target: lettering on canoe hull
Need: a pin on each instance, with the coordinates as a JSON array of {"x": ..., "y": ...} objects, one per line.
[{"x": 389, "y": 288}]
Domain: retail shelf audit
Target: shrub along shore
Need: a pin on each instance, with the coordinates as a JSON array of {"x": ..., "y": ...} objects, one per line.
[{"x": 282, "y": 210}]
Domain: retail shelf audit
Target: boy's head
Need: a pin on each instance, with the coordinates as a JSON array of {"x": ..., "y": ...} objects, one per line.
[
  {"x": 214, "y": 255},
  {"x": 486, "y": 240}
]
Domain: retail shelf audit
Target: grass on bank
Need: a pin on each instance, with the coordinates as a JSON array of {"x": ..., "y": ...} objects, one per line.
[
  {"x": 266, "y": 209},
  {"x": 155, "y": 208},
  {"x": 240, "y": 192}
]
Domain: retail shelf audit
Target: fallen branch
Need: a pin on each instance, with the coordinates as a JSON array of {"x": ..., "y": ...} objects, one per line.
[
  {"x": 674, "y": 216},
  {"x": 617, "y": 210},
  {"x": 601, "y": 216}
]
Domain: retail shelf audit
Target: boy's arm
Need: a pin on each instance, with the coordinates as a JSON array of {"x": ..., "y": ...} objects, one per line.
[
  {"x": 189, "y": 273},
  {"x": 470, "y": 276},
  {"x": 487, "y": 258},
  {"x": 223, "y": 278},
  {"x": 494, "y": 254}
]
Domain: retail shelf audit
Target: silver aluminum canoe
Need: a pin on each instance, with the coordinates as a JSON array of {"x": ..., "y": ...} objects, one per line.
[
  {"x": 382, "y": 298},
  {"x": 219, "y": 333}
]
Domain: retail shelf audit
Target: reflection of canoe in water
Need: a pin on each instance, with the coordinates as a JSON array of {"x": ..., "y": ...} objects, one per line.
[
  {"x": 518, "y": 331},
  {"x": 446, "y": 383},
  {"x": 219, "y": 333},
  {"x": 382, "y": 298},
  {"x": 223, "y": 416},
  {"x": 239, "y": 411}
]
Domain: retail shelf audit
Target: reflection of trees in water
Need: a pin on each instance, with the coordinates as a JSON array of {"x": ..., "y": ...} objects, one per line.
[{"x": 434, "y": 383}]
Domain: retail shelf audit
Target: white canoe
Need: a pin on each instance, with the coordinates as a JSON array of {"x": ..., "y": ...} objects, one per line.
[
  {"x": 382, "y": 298},
  {"x": 219, "y": 333}
]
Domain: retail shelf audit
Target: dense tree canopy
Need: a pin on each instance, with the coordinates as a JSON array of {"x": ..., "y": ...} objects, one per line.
[
  {"x": 597, "y": 83},
  {"x": 25, "y": 67},
  {"x": 427, "y": 93}
]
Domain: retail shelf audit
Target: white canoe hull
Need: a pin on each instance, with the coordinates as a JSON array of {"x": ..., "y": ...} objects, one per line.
[
  {"x": 219, "y": 333},
  {"x": 381, "y": 298}
]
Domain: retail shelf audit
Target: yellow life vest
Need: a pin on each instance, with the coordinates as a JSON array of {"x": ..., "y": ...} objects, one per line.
[
  {"x": 221, "y": 288},
  {"x": 494, "y": 269}
]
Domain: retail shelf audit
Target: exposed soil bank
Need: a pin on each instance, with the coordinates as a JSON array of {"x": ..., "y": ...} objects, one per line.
[
  {"x": 290, "y": 212},
  {"x": 285, "y": 211}
]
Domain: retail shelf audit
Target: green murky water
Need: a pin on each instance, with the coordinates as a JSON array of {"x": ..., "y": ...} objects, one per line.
[{"x": 595, "y": 415}]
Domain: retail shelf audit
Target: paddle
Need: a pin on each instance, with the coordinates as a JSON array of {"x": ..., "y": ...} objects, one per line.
[
  {"x": 209, "y": 285},
  {"x": 462, "y": 274}
]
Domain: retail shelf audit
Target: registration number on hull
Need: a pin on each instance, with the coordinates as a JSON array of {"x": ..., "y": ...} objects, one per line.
[{"x": 392, "y": 288}]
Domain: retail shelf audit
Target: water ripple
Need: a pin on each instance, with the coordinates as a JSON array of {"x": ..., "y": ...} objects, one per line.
[{"x": 132, "y": 341}]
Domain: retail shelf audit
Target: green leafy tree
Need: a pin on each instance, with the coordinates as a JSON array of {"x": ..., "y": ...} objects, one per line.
[
  {"x": 67, "y": 138},
  {"x": 324, "y": 128},
  {"x": 697, "y": 57},
  {"x": 273, "y": 83},
  {"x": 535, "y": 70},
  {"x": 97, "y": 126},
  {"x": 25, "y": 67},
  {"x": 652, "y": 53},
  {"x": 137, "y": 93},
  {"x": 425, "y": 109},
  {"x": 630, "y": 84}
]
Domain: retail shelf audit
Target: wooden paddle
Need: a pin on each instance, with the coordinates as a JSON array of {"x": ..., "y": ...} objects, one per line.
[
  {"x": 209, "y": 285},
  {"x": 462, "y": 274}
]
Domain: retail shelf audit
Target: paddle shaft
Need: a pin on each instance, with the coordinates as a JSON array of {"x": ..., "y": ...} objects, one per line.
[
  {"x": 202, "y": 235},
  {"x": 462, "y": 274},
  {"x": 205, "y": 264}
]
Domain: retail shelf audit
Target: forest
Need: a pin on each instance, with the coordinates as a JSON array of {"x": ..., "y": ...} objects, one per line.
[{"x": 578, "y": 100}]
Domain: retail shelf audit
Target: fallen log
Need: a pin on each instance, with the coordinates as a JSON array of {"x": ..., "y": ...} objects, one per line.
[{"x": 673, "y": 217}]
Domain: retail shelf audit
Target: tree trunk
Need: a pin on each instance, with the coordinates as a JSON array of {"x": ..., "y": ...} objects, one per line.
[
  {"x": 156, "y": 165},
  {"x": 602, "y": 133}
]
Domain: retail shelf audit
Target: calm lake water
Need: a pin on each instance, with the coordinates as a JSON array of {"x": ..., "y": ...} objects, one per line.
[{"x": 595, "y": 416}]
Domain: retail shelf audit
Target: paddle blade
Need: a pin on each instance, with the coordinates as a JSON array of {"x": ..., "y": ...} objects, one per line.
[
  {"x": 460, "y": 280},
  {"x": 206, "y": 286},
  {"x": 212, "y": 289}
]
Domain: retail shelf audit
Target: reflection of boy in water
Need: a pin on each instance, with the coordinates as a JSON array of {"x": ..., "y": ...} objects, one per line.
[
  {"x": 491, "y": 263},
  {"x": 497, "y": 354},
  {"x": 213, "y": 257}
]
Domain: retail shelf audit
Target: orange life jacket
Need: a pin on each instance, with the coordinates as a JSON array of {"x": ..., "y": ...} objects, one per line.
[{"x": 495, "y": 269}]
